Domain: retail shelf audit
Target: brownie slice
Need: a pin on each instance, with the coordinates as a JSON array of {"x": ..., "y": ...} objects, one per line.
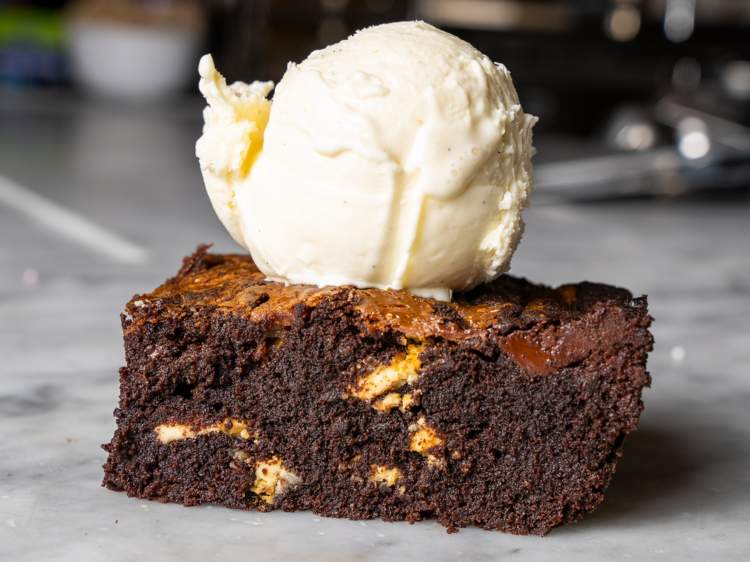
[{"x": 505, "y": 409}]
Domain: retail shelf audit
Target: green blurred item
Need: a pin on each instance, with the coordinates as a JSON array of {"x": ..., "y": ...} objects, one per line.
[{"x": 32, "y": 47}]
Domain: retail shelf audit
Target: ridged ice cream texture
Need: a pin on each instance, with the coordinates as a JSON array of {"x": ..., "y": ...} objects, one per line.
[{"x": 399, "y": 158}]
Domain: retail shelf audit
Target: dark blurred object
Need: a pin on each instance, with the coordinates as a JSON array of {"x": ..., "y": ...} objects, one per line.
[
  {"x": 709, "y": 153},
  {"x": 686, "y": 75},
  {"x": 256, "y": 39},
  {"x": 237, "y": 37},
  {"x": 31, "y": 47},
  {"x": 134, "y": 50}
]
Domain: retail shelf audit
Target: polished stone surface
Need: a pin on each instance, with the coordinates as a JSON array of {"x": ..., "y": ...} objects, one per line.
[{"x": 682, "y": 489}]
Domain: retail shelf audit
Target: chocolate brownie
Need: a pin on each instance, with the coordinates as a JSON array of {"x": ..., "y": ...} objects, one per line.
[{"x": 505, "y": 409}]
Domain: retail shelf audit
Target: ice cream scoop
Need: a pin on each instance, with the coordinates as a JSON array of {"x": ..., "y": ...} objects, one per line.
[{"x": 398, "y": 158}]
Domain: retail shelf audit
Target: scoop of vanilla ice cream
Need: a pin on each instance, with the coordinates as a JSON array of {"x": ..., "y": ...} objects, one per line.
[{"x": 398, "y": 158}]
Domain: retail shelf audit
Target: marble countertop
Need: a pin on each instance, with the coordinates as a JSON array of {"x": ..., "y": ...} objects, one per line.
[{"x": 682, "y": 489}]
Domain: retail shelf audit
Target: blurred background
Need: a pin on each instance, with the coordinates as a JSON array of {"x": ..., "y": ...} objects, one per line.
[{"x": 635, "y": 97}]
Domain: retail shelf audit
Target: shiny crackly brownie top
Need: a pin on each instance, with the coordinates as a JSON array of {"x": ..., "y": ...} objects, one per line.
[{"x": 539, "y": 325}]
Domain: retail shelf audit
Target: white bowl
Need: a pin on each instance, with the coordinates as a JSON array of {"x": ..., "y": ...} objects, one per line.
[{"x": 129, "y": 62}]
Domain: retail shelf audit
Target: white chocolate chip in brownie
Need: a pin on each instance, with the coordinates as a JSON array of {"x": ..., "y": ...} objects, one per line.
[
  {"x": 168, "y": 432},
  {"x": 423, "y": 439},
  {"x": 407, "y": 401},
  {"x": 385, "y": 378},
  {"x": 384, "y": 474},
  {"x": 272, "y": 479},
  {"x": 394, "y": 400}
]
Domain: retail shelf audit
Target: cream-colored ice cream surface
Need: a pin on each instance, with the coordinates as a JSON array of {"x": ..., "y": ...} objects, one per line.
[
  {"x": 398, "y": 158},
  {"x": 235, "y": 119}
]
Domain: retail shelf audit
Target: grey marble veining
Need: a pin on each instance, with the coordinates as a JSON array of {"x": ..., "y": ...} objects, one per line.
[{"x": 682, "y": 489}]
